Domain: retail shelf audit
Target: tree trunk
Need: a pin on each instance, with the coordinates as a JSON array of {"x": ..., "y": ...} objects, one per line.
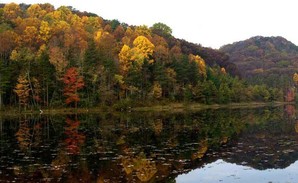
[
  {"x": 1, "y": 102},
  {"x": 31, "y": 88},
  {"x": 76, "y": 103},
  {"x": 1, "y": 126},
  {"x": 47, "y": 100}
]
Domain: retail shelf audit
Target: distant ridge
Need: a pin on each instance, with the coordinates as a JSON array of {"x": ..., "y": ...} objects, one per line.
[{"x": 263, "y": 56}]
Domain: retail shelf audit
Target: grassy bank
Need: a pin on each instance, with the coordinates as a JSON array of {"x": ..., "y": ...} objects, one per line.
[
  {"x": 180, "y": 107},
  {"x": 170, "y": 107},
  {"x": 52, "y": 111}
]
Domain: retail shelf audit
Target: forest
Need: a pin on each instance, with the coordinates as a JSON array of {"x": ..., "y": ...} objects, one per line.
[
  {"x": 51, "y": 58},
  {"x": 274, "y": 60}
]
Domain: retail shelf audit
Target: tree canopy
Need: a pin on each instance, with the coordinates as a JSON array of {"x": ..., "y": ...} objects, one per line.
[{"x": 56, "y": 57}]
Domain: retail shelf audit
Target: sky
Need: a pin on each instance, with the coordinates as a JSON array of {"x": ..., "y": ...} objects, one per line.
[
  {"x": 221, "y": 171},
  {"x": 211, "y": 23}
]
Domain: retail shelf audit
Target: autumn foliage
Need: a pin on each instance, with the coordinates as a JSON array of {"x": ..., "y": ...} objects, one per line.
[
  {"x": 22, "y": 90},
  {"x": 73, "y": 82},
  {"x": 63, "y": 51},
  {"x": 295, "y": 78}
]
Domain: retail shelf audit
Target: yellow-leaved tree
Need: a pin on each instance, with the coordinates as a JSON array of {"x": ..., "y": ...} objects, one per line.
[
  {"x": 124, "y": 60},
  {"x": 201, "y": 64},
  {"x": 143, "y": 49},
  {"x": 44, "y": 31},
  {"x": 35, "y": 11},
  {"x": 30, "y": 37},
  {"x": 11, "y": 11},
  {"x": 134, "y": 58},
  {"x": 295, "y": 78}
]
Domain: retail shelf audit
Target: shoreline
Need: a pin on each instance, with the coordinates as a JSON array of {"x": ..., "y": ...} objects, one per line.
[
  {"x": 171, "y": 108},
  {"x": 176, "y": 107}
]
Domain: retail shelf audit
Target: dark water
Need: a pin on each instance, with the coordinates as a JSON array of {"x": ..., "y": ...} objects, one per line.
[{"x": 227, "y": 145}]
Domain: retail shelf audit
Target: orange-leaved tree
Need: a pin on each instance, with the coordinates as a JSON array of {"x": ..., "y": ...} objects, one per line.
[
  {"x": 22, "y": 90},
  {"x": 73, "y": 82}
]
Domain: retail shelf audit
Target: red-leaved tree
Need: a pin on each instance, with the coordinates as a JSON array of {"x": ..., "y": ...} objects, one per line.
[{"x": 73, "y": 82}]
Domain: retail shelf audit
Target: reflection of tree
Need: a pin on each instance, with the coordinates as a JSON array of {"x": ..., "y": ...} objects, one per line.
[
  {"x": 121, "y": 140},
  {"x": 28, "y": 136},
  {"x": 143, "y": 168},
  {"x": 290, "y": 111},
  {"x": 224, "y": 140},
  {"x": 149, "y": 148},
  {"x": 37, "y": 134},
  {"x": 82, "y": 175},
  {"x": 74, "y": 139},
  {"x": 23, "y": 135},
  {"x": 59, "y": 164},
  {"x": 158, "y": 126},
  {"x": 296, "y": 126},
  {"x": 127, "y": 163},
  {"x": 271, "y": 144},
  {"x": 1, "y": 125},
  {"x": 201, "y": 151},
  {"x": 175, "y": 142}
]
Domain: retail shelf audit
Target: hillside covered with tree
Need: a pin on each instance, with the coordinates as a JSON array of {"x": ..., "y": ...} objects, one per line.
[
  {"x": 62, "y": 57},
  {"x": 269, "y": 60}
]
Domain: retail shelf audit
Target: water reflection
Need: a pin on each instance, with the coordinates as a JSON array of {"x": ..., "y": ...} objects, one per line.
[
  {"x": 74, "y": 139},
  {"x": 265, "y": 151},
  {"x": 144, "y": 147},
  {"x": 23, "y": 135}
]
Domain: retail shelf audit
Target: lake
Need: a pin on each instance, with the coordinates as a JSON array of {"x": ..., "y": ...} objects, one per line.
[{"x": 223, "y": 145}]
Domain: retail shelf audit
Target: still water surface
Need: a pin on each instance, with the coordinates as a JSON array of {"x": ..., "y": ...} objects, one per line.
[{"x": 225, "y": 145}]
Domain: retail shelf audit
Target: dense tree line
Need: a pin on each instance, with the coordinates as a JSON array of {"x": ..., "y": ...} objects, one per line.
[{"x": 56, "y": 57}]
